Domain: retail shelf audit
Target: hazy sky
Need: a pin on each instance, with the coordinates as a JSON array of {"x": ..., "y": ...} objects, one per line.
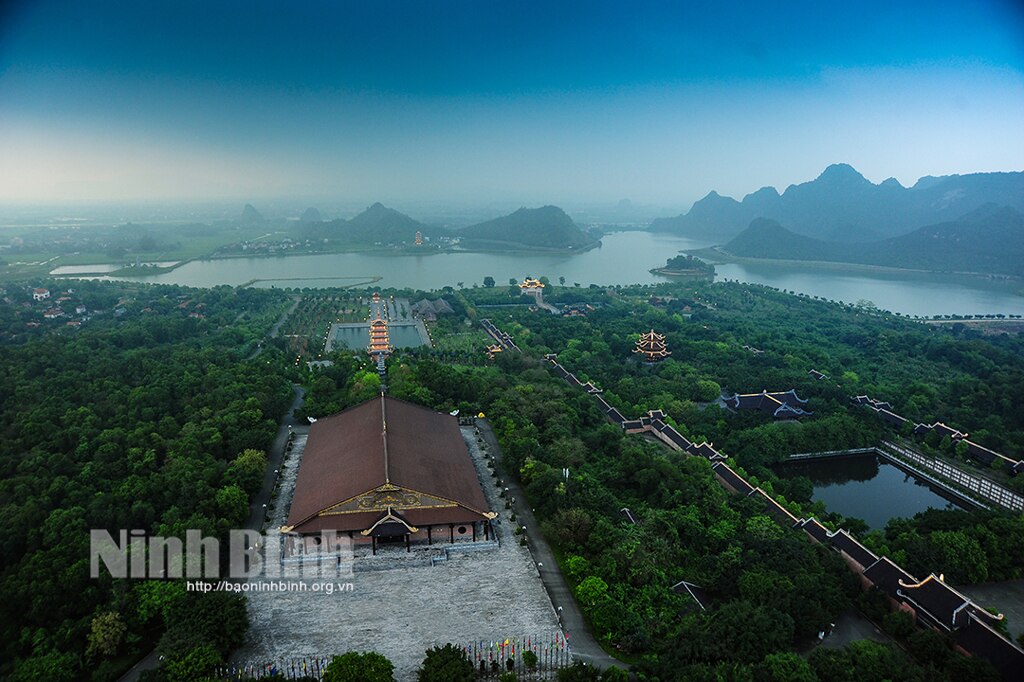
[{"x": 512, "y": 101}]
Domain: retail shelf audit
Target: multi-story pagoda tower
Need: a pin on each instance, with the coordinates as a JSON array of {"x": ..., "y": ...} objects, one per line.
[
  {"x": 419, "y": 238},
  {"x": 651, "y": 347},
  {"x": 379, "y": 342},
  {"x": 380, "y": 345}
]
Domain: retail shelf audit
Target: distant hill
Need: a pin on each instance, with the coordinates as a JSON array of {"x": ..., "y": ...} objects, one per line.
[
  {"x": 310, "y": 215},
  {"x": 545, "y": 227},
  {"x": 842, "y": 205},
  {"x": 251, "y": 215},
  {"x": 989, "y": 239},
  {"x": 377, "y": 224}
]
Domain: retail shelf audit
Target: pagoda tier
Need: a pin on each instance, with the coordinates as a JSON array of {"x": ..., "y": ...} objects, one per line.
[
  {"x": 379, "y": 342},
  {"x": 652, "y": 347}
]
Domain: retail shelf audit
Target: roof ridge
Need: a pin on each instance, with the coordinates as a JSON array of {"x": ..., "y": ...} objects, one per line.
[{"x": 384, "y": 436}]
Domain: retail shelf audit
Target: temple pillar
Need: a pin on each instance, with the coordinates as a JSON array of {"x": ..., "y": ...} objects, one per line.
[
  {"x": 451, "y": 533},
  {"x": 429, "y": 539}
]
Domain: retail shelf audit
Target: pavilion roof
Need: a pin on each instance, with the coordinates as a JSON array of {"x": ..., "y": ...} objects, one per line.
[{"x": 388, "y": 448}]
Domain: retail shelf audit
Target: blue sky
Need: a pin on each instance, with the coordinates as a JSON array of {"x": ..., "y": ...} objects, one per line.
[{"x": 507, "y": 101}]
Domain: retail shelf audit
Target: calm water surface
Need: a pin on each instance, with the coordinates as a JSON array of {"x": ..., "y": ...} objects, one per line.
[
  {"x": 867, "y": 487},
  {"x": 358, "y": 337},
  {"x": 623, "y": 258}
]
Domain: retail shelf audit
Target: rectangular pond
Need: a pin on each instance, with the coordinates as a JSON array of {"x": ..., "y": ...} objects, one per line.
[
  {"x": 868, "y": 487},
  {"x": 357, "y": 336}
]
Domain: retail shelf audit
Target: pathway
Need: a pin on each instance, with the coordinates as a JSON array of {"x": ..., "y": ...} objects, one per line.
[
  {"x": 852, "y": 626},
  {"x": 272, "y": 334},
  {"x": 582, "y": 643}
]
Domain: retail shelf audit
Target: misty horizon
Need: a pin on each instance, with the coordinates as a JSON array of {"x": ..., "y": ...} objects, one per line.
[{"x": 465, "y": 105}]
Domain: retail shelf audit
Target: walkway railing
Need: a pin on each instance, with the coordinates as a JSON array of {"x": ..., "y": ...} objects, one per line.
[
  {"x": 831, "y": 453},
  {"x": 978, "y": 486}
]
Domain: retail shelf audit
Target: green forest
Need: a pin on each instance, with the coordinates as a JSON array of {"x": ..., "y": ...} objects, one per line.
[
  {"x": 158, "y": 420},
  {"x": 155, "y": 421}
]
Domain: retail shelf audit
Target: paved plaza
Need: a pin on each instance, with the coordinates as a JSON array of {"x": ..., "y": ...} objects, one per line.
[{"x": 418, "y": 601}]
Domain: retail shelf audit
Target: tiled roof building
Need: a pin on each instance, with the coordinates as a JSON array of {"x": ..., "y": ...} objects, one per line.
[{"x": 388, "y": 470}]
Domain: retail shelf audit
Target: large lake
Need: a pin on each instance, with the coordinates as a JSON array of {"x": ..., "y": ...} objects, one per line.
[
  {"x": 867, "y": 487},
  {"x": 623, "y": 258}
]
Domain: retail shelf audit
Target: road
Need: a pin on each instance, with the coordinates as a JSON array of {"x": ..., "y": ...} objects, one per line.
[
  {"x": 272, "y": 334},
  {"x": 1009, "y": 595},
  {"x": 257, "y": 508},
  {"x": 584, "y": 646},
  {"x": 852, "y": 626}
]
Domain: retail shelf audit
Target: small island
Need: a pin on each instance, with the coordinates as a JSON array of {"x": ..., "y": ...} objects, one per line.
[{"x": 686, "y": 265}]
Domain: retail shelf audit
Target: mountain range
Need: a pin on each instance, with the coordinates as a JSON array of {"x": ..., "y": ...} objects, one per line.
[
  {"x": 989, "y": 239},
  {"x": 547, "y": 227},
  {"x": 841, "y": 205}
]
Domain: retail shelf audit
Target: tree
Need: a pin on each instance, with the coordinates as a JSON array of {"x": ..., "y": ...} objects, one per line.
[
  {"x": 445, "y": 664},
  {"x": 960, "y": 556},
  {"x": 489, "y": 281},
  {"x": 561, "y": 280},
  {"x": 52, "y": 666},
  {"x": 218, "y": 619},
  {"x": 108, "y": 630},
  {"x": 197, "y": 664},
  {"x": 359, "y": 667},
  {"x": 246, "y": 471},
  {"x": 591, "y": 590},
  {"x": 706, "y": 391},
  {"x": 787, "y": 667},
  {"x": 232, "y": 504}
]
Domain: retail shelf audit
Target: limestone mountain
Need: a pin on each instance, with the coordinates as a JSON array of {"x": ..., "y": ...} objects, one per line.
[
  {"x": 310, "y": 215},
  {"x": 989, "y": 239},
  {"x": 842, "y": 205},
  {"x": 545, "y": 227},
  {"x": 251, "y": 215},
  {"x": 378, "y": 224}
]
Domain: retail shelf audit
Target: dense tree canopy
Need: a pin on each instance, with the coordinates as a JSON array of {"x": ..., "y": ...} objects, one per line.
[{"x": 153, "y": 421}]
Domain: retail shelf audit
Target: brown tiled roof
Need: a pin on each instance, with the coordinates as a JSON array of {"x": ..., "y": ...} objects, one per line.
[
  {"x": 887, "y": 575},
  {"x": 814, "y": 528},
  {"x": 942, "y": 602},
  {"x": 381, "y": 442},
  {"x": 735, "y": 481},
  {"x": 891, "y": 417},
  {"x": 708, "y": 452},
  {"x": 844, "y": 542},
  {"x": 774, "y": 509},
  {"x": 981, "y": 640}
]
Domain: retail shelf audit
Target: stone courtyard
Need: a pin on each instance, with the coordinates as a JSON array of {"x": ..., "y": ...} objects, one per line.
[{"x": 401, "y": 604}]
